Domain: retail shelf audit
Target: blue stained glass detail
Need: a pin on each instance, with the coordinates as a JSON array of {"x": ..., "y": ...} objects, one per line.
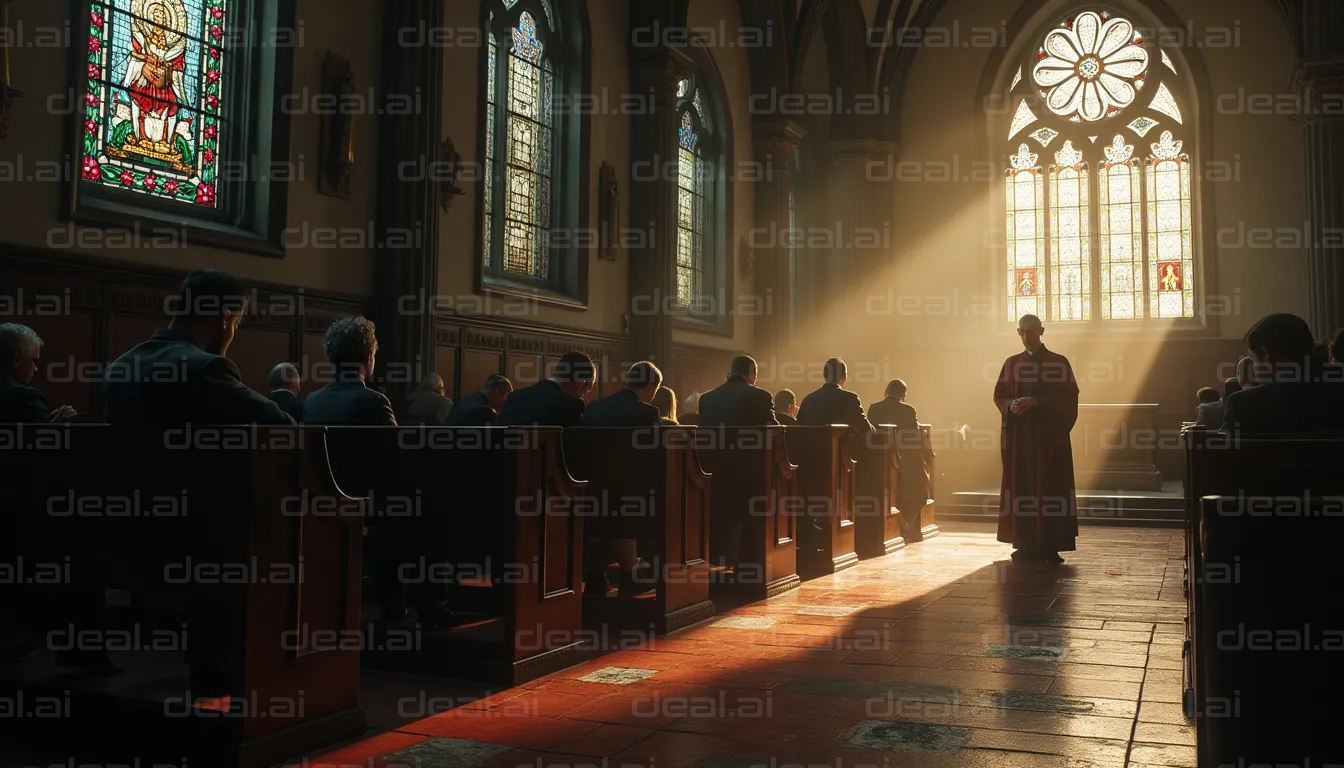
[
  {"x": 526, "y": 45},
  {"x": 689, "y": 138}
]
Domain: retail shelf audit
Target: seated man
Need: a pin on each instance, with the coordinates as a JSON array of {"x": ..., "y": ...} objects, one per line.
[
  {"x": 428, "y": 404},
  {"x": 629, "y": 407},
  {"x": 1209, "y": 412},
  {"x": 20, "y": 402},
  {"x": 1292, "y": 397},
  {"x": 786, "y": 407},
  {"x": 832, "y": 403},
  {"x": 284, "y": 381},
  {"x": 351, "y": 347},
  {"x": 180, "y": 375},
  {"x": 738, "y": 402},
  {"x": 482, "y": 408},
  {"x": 913, "y": 493},
  {"x": 553, "y": 402}
]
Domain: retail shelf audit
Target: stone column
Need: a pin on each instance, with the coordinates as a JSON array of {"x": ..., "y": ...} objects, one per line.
[
  {"x": 653, "y": 200},
  {"x": 407, "y": 260},
  {"x": 776, "y": 142},
  {"x": 861, "y": 182},
  {"x": 1321, "y": 87}
]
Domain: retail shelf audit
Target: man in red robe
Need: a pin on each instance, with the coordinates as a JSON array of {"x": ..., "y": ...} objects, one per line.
[{"x": 1038, "y": 397}]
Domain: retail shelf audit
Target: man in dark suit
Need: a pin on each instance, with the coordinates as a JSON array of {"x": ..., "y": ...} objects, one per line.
[
  {"x": 284, "y": 381},
  {"x": 1294, "y": 396},
  {"x": 554, "y": 402},
  {"x": 631, "y": 406},
  {"x": 351, "y": 346},
  {"x": 20, "y": 402},
  {"x": 482, "y": 408},
  {"x": 738, "y": 402},
  {"x": 832, "y": 403},
  {"x": 180, "y": 375},
  {"x": 786, "y": 407},
  {"x": 914, "y": 489}
]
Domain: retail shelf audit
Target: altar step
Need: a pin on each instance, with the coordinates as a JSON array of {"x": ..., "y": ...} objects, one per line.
[{"x": 1157, "y": 509}]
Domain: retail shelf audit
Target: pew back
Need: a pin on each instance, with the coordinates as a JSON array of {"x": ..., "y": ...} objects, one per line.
[
  {"x": 826, "y": 492},
  {"x": 877, "y": 514}
]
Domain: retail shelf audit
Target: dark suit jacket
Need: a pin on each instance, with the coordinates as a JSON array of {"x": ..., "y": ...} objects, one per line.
[
  {"x": 288, "y": 402},
  {"x": 22, "y": 404},
  {"x": 472, "y": 411},
  {"x": 169, "y": 380},
  {"x": 1286, "y": 408},
  {"x": 1209, "y": 415},
  {"x": 735, "y": 403},
  {"x": 909, "y": 446},
  {"x": 623, "y": 409},
  {"x": 543, "y": 403},
  {"x": 786, "y": 420},
  {"x": 833, "y": 405},
  {"x": 348, "y": 403},
  {"x": 430, "y": 409}
]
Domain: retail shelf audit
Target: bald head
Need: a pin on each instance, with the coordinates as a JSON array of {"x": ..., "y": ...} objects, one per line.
[{"x": 284, "y": 376}]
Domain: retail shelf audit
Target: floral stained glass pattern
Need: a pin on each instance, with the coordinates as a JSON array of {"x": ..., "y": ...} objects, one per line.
[
  {"x": 154, "y": 110},
  {"x": 1070, "y": 238},
  {"x": 1142, "y": 125},
  {"x": 526, "y": 141},
  {"x": 1091, "y": 66},
  {"x": 1025, "y": 227},
  {"x": 1120, "y": 226},
  {"x": 1023, "y": 117},
  {"x": 1170, "y": 231},
  {"x": 691, "y": 193},
  {"x": 1044, "y": 136}
]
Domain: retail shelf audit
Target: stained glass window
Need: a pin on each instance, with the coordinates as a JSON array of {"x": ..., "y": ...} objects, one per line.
[
  {"x": 1070, "y": 238},
  {"x": 155, "y": 113},
  {"x": 1025, "y": 193},
  {"x": 1120, "y": 226},
  {"x": 1102, "y": 233},
  {"x": 1171, "y": 261},
  {"x": 520, "y": 134},
  {"x": 695, "y": 196}
]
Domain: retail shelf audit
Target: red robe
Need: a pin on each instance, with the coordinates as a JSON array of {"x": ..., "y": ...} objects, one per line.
[{"x": 1038, "y": 509}]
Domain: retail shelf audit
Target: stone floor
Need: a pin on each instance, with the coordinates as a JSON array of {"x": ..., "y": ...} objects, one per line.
[{"x": 943, "y": 654}]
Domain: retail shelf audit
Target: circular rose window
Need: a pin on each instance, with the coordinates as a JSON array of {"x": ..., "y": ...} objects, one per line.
[{"x": 1091, "y": 67}]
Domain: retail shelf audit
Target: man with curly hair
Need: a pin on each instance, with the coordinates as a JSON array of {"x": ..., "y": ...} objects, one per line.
[{"x": 346, "y": 400}]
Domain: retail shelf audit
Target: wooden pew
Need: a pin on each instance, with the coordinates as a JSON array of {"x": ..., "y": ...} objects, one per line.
[
  {"x": 826, "y": 492},
  {"x": 493, "y": 520},
  {"x": 1219, "y": 464},
  {"x": 646, "y": 483},
  {"x": 1271, "y": 629},
  {"x": 754, "y": 501},
  {"x": 877, "y": 514},
  {"x": 241, "y": 535},
  {"x": 925, "y": 524}
]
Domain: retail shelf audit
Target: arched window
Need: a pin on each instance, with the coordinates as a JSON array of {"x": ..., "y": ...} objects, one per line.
[
  {"x": 533, "y": 187},
  {"x": 697, "y": 244},
  {"x": 1097, "y": 230}
]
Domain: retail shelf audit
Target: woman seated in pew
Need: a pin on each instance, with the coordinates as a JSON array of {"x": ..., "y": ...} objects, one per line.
[{"x": 665, "y": 400}]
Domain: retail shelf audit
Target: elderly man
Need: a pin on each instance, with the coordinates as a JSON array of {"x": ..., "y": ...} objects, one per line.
[
  {"x": 556, "y": 401},
  {"x": 284, "y": 383},
  {"x": 181, "y": 375},
  {"x": 351, "y": 346},
  {"x": 20, "y": 354},
  {"x": 1038, "y": 397},
  {"x": 482, "y": 408}
]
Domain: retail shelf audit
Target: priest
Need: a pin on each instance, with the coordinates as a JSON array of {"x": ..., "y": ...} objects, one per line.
[{"x": 1038, "y": 399}]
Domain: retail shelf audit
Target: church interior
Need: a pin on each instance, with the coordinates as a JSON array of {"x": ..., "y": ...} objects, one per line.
[{"x": 457, "y": 383}]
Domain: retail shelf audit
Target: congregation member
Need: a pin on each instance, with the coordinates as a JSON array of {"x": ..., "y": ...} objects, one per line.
[
  {"x": 738, "y": 402},
  {"x": 1293, "y": 396},
  {"x": 832, "y": 403},
  {"x": 351, "y": 345},
  {"x": 1246, "y": 373},
  {"x": 556, "y": 401},
  {"x": 482, "y": 408},
  {"x": 631, "y": 406},
  {"x": 913, "y": 493},
  {"x": 1209, "y": 412},
  {"x": 786, "y": 407},
  {"x": 1231, "y": 386},
  {"x": 20, "y": 402},
  {"x": 665, "y": 400},
  {"x": 427, "y": 405},
  {"x": 284, "y": 383},
  {"x": 1037, "y": 396},
  {"x": 181, "y": 375}
]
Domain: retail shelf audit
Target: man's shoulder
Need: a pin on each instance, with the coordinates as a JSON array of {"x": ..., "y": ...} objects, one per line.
[{"x": 14, "y": 392}]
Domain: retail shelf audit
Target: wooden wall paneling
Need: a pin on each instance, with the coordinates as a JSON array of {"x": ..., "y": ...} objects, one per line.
[
  {"x": 477, "y": 364},
  {"x": 68, "y": 374},
  {"x": 312, "y": 359},
  {"x": 256, "y": 350},
  {"x": 447, "y": 359}
]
